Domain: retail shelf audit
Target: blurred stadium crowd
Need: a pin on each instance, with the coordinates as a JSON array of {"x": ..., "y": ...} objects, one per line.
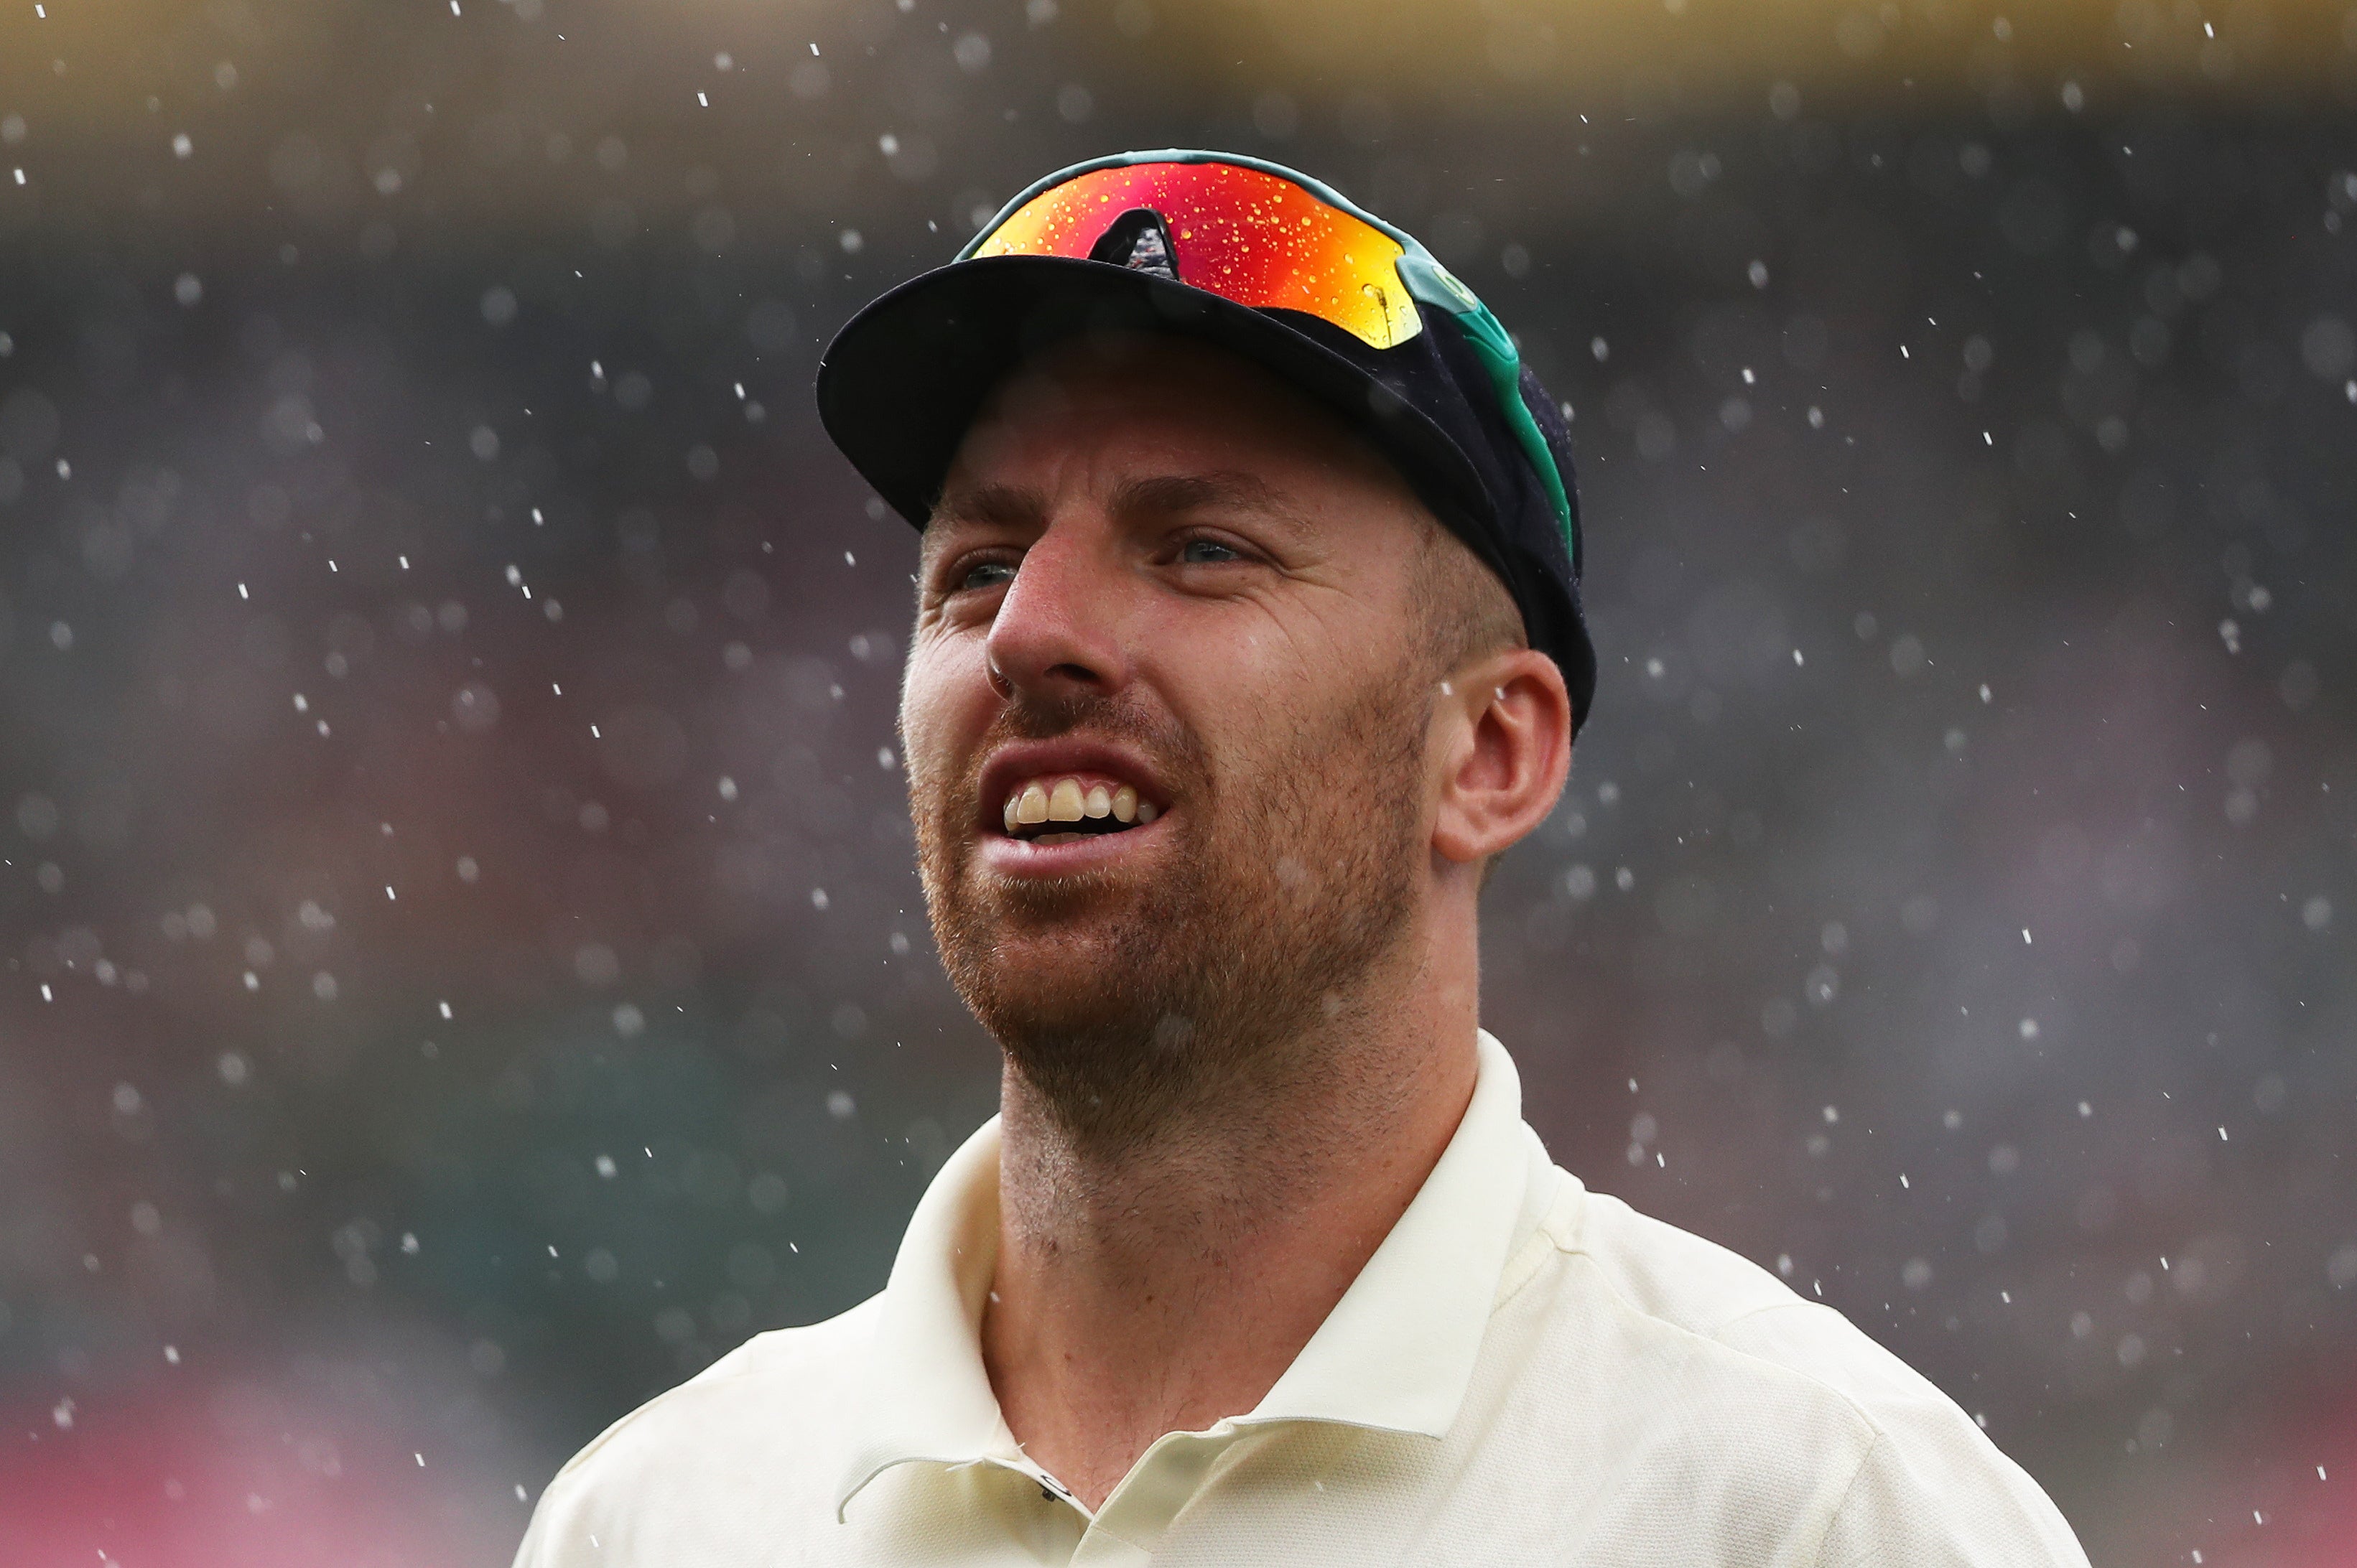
[{"x": 464, "y": 968}]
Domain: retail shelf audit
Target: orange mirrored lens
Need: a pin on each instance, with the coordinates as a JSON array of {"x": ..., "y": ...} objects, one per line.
[{"x": 1241, "y": 234}]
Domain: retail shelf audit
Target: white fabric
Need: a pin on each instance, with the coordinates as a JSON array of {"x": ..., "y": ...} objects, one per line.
[{"x": 1526, "y": 1373}]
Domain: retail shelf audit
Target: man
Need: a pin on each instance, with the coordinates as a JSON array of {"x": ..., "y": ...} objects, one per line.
[{"x": 1247, "y": 636}]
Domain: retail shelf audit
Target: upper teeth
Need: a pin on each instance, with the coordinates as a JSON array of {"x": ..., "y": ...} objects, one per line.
[{"x": 1066, "y": 800}]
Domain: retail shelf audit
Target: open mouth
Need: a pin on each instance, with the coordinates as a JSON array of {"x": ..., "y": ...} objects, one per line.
[{"x": 1060, "y": 809}]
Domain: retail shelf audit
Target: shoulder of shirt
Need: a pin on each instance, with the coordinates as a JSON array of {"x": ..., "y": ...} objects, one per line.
[
  {"x": 1686, "y": 1284},
  {"x": 1691, "y": 1286},
  {"x": 1901, "y": 1425},
  {"x": 1656, "y": 1268},
  {"x": 735, "y": 1401}
]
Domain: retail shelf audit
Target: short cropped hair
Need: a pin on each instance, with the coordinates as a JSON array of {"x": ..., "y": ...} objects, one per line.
[
  {"x": 1464, "y": 613},
  {"x": 1464, "y": 610}
]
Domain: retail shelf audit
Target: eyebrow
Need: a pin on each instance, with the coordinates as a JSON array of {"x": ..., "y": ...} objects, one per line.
[
  {"x": 1153, "y": 494},
  {"x": 1007, "y": 505},
  {"x": 1226, "y": 489}
]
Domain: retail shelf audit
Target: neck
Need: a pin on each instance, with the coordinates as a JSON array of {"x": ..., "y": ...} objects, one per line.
[{"x": 1167, "y": 1284}]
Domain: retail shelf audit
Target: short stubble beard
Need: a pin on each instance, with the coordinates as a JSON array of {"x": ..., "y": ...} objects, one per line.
[{"x": 1202, "y": 985}]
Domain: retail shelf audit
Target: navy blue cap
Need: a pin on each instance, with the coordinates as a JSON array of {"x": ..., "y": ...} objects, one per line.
[{"x": 1465, "y": 422}]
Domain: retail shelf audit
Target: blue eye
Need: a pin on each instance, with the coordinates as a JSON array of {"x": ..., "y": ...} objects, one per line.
[
  {"x": 987, "y": 574},
  {"x": 1206, "y": 553}
]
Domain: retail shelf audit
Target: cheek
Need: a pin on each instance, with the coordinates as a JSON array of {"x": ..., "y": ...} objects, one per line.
[
  {"x": 1312, "y": 721},
  {"x": 1237, "y": 654},
  {"x": 944, "y": 705},
  {"x": 1242, "y": 695}
]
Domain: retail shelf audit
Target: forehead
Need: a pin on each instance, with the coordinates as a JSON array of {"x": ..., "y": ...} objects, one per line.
[{"x": 1107, "y": 406}]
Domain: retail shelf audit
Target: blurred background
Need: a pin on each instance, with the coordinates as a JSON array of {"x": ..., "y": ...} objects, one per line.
[{"x": 463, "y": 969}]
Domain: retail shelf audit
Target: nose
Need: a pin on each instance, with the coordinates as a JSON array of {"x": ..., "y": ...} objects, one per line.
[{"x": 1057, "y": 633}]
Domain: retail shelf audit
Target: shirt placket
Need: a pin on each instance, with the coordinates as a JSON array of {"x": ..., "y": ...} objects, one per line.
[
  {"x": 1129, "y": 1528},
  {"x": 1052, "y": 1526}
]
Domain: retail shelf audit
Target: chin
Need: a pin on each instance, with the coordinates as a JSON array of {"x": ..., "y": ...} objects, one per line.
[
  {"x": 1031, "y": 1016},
  {"x": 1078, "y": 968},
  {"x": 1070, "y": 913},
  {"x": 1054, "y": 1007}
]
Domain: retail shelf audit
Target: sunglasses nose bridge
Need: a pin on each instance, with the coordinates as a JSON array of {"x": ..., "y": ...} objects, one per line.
[{"x": 1140, "y": 241}]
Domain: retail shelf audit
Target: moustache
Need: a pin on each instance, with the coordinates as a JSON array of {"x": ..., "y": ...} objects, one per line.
[{"x": 1175, "y": 752}]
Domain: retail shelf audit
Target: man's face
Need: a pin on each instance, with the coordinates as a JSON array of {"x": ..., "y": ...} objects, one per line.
[{"x": 1165, "y": 720}]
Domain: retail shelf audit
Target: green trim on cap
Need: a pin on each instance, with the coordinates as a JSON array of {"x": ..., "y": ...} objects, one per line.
[
  {"x": 1431, "y": 284},
  {"x": 1427, "y": 282}
]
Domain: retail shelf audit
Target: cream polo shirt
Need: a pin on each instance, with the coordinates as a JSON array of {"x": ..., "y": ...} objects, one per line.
[{"x": 1525, "y": 1373}]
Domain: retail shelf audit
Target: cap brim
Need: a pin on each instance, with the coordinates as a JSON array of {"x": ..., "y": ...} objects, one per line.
[{"x": 902, "y": 383}]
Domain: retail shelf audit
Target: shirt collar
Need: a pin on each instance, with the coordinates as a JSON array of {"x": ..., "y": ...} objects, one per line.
[
  {"x": 1396, "y": 1353},
  {"x": 1397, "y": 1350},
  {"x": 929, "y": 1397}
]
